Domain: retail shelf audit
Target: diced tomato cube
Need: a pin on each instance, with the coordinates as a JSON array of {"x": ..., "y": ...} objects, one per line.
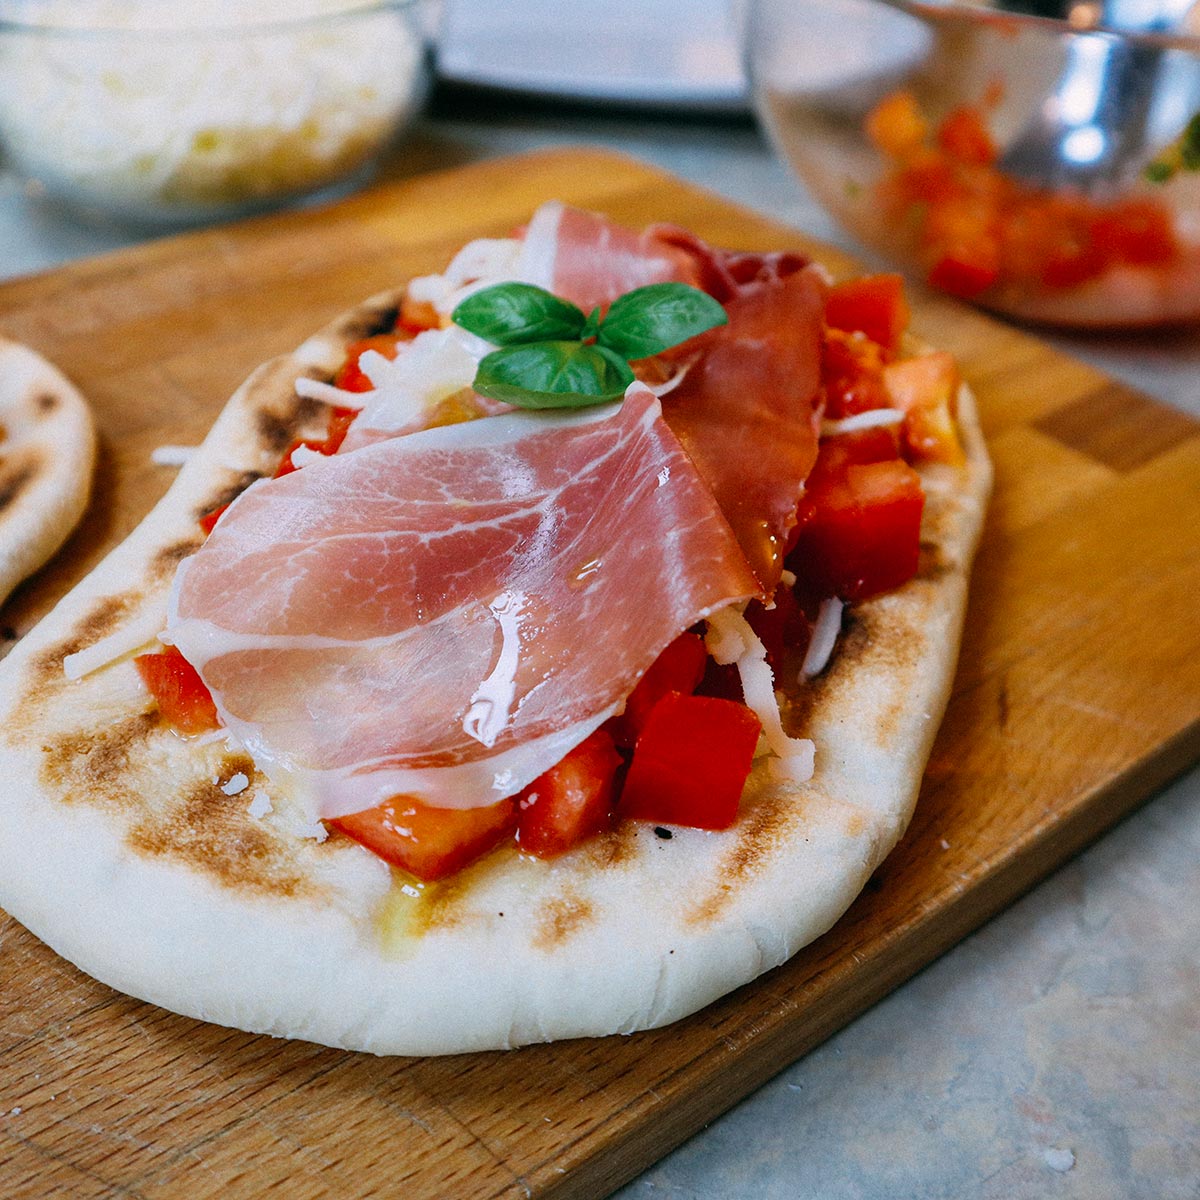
[
  {"x": 571, "y": 801},
  {"x": 183, "y": 700},
  {"x": 340, "y": 420},
  {"x": 929, "y": 177},
  {"x": 209, "y": 521},
  {"x": 860, "y": 535},
  {"x": 425, "y": 841},
  {"x": 1137, "y": 231},
  {"x": 350, "y": 378},
  {"x": 850, "y": 374},
  {"x": 926, "y": 388},
  {"x": 679, "y": 668},
  {"x": 964, "y": 135},
  {"x": 286, "y": 466},
  {"x": 895, "y": 125},
  {"x": 691, "y": 763},
  {"x": 863, "y": 446},
  {"x": 963, "y": 274},
  {"x": 874, "y": 305}
]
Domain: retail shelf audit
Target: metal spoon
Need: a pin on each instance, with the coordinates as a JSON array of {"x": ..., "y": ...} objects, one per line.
[{"x": 1092, "y": 130}]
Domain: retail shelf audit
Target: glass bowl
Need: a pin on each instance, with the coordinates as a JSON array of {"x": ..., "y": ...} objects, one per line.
[
  {"x": 176, "y": 113},
  {"x": 1037, "y": 168}
]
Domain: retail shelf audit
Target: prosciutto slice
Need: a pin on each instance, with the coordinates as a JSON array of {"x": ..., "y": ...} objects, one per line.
[
  {"x": 446, "y": 614},
  {"x": 587, "y": 259},
  {"x": 747, "y": 410}
]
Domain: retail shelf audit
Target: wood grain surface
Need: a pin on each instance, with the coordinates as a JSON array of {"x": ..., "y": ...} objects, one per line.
[{"x": 1078, "y": 694}]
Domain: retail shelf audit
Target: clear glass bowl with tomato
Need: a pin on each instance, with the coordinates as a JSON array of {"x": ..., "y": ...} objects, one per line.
[{"x": 1039, "y": 169}]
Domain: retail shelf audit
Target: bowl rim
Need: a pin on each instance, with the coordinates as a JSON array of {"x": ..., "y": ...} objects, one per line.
[
  {"x": 1181, "y": 40},
  {"x": 202, "y": 26}
]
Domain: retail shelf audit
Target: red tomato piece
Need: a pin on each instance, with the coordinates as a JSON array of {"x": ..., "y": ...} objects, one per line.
[
  {"x": 964, "y": 135},
  {"x": 183, "y": 700},
  {"x": 209, "y": 520},
  {"x": 874, "y": 305},
  {"x": 780, "y": 628},
  {"x": 286, "y": 466},
  {"x": 350, "y": 378},
  {"x": 1137, "y": 231},
  {"x": 860, "y": 535},
  {"x": 429, "y": 842},
  {"x": 679, "y": 668},
  {"x": 847, "y": 449},
  {"x": 926, "y": 388},
  {"x": 340, "y": 420},
  {"x": 895, "y": 125},
  {"x": 850, "y": 373},
  {"x": 691, "y": 763},
  {"x": 963, "y": 275},
  {"x": 571, "y": 801},
  {"x": 929, "y": 177}
]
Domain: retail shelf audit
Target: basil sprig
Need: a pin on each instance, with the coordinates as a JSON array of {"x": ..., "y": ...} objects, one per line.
[{"x": 552, "y": 355}]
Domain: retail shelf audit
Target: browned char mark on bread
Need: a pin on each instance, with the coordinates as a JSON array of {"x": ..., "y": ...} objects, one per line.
[
  {"x": 368, "y": 320},
  {"x": 212, "y": 833},
  {"x": 17, "y": 472}
]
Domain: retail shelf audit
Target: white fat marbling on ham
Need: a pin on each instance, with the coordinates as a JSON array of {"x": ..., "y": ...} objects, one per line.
[{"x": 355, "y": 619}]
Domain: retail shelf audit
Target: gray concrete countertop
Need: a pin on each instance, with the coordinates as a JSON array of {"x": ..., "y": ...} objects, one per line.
[{"x": 1056, "y": 1053}]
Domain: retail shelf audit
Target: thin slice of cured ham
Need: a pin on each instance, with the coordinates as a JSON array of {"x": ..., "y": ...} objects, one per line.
[
  {"x": 747, "y": 412},
  {"x": 446, "y": 614},
  {"x": 587, "y": 259}
]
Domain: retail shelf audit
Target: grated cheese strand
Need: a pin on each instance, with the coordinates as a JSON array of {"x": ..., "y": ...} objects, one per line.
[
  {"x": 130, "y": 638},
  {"x": 731, "y": 639},
  {"x": 824, "y": 638},
  {"x": 874, "y": 419}
]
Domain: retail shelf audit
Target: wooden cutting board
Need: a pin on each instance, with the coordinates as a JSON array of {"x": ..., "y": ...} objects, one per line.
[{"x": 1077, "y": 695}]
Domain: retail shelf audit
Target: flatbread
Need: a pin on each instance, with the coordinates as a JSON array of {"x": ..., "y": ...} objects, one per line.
[
  {"x": 47, "y": 453},
  {"x": 122, "y": 847}
]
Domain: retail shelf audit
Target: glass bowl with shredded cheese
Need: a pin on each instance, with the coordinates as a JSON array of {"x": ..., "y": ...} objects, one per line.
[{"x": 176, "y": 113}]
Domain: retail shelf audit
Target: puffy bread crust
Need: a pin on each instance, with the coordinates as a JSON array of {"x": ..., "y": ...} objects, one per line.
[
  {"x": 47, "y": 454},
  {"x": 120, "y": 849}
]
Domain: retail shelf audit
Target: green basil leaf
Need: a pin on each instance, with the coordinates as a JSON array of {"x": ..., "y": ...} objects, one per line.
[
  {"x": 560, "y": 374},
  {"x": 591, "y": 327},
  {"x": 652, "y": 319},
  {"x": 513, "y": 314}
]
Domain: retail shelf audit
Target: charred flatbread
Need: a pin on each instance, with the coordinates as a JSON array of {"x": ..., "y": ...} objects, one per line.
[
  {"x": 47, "y": 452},
  {"x": 175, "y": 870}
]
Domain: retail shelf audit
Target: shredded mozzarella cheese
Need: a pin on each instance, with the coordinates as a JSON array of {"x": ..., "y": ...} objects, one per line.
[
  {"x": 479, "y": 264},
  {"x": 271, "y": 105},
  {"x": 824, "y": 638},
  {"x": 134, "y": 636},
  {"x": 731, "y": 639},
  {"x": 172, "y": 456},
  {"x": 873, "y": 419}
]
